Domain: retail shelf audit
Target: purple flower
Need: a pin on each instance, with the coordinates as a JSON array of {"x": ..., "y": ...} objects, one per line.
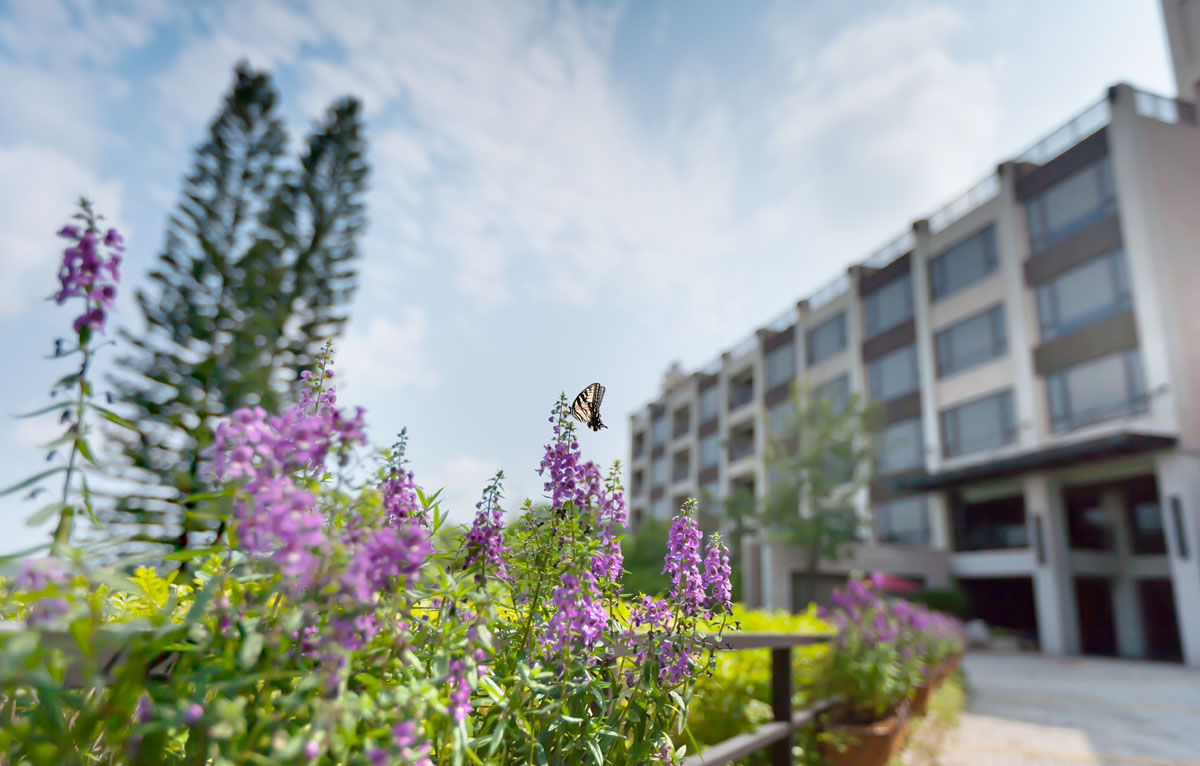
[
  {"x": 143, "y": 712},
  {"x": 578, "y": 615},
  {"x": 412, "y": 750},
  {"x": 36, "y": 574},
  {"x": 484, "y": 542},
  {"x": 45, "y": 611},
  {"x": 383, "y": 554},
  {"x": 682, "y": 562},
  {"x": 193, "y": 713},
  {"x": 717, "y": 572},
  {"x": 312, "y": 749},
  {"x": 88, "y": 273},
  {"x": 460, "y": 690}
]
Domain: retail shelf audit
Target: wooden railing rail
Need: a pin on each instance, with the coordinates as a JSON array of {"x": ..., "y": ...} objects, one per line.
[{"x": 779, "y": 734}]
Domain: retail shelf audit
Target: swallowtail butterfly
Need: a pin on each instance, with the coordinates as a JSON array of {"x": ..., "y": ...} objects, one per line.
[{"x": 586, "y": 408}]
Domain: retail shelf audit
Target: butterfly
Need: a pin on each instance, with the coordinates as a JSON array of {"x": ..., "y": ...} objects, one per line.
[{"x": 586, "y": 408}]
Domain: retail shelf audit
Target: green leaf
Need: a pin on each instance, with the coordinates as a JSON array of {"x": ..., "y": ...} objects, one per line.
[
  {"x": 44, "y": 514},
  {"x": 252, "y": 647},
  {"x": 85, "y": 450},
  {"x": 113, "y": 417},
  {"x": 202, "y": 598},
  {"x": 32, "y": 480},
  {"x": 48, "y": 408}
]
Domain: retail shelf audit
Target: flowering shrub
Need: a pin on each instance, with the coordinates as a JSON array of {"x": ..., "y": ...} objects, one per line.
[
  {"x": 885, "y": 649},
  {"x": 336, "y": 619}
]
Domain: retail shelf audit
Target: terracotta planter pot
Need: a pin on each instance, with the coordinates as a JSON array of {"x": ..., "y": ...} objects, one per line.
[
  {"x": 919, "y": 700},
  {"x": 874, "y": 743}
]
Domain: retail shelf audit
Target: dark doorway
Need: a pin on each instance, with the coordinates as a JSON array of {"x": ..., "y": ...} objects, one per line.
[
  {"x": 1160, "y": 619},
  {"x": 1003, "y": 602},
  {"x": 1097, "y": 622}
]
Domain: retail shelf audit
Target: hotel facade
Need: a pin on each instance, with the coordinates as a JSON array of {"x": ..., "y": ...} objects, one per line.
[{"x": 1033, "y": 348}]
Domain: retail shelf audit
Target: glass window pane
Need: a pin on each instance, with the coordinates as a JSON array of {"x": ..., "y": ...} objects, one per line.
[
  {"x": 827, "y": 339},
  {"x": 658, "y": 471},
  {"x": 1082, "y": 295},
  {"x": 978, "y": 425},
  {"x": 893, "y": 374},
  {"x": 889, "y": 305},
  {"x": 1083, "y": 196},
  {"x": 971, "y": 342},
  {"x": 710, "y": 402},
  {"x": 781, "y": 365},
  {"x": 964, "y": 264},
  {"x": 1100, "y": 389},
  {"x": 836, "y": 393},
  {"x": 899, "y": 447},
  {"x": 903, "y": 521},
  {"x": 710, "y": 450},
  {"x": 660, "y": 430}
]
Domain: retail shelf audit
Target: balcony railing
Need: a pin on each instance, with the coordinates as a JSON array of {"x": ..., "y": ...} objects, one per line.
[
  {"x": 740, "y": 449},
  {"x": 1068, "y": 421},
  {"x": 1163, "y": 108},
  {"x": 830, "y": 292},
  {"x": 892, "y": 250},
  {"x": 745, "y": 347},
  {"x": 784, "y": 320},
  {"x": 1078, "y": 128},
  {"x": 973, "y": 198}
]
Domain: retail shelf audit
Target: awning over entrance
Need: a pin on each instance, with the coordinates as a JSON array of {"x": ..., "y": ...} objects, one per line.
[{"x": 1059, "y": 456}]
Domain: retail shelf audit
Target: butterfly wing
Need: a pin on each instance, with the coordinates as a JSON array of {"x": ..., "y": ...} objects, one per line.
[{"x": 586, "y": 408}]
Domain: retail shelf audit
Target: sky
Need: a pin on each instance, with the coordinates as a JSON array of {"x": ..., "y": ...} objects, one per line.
[{"x": 561, "y": 192}]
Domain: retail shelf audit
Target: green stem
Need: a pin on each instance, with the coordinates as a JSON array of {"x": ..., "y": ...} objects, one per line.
[{"x": 62, "y": 533}]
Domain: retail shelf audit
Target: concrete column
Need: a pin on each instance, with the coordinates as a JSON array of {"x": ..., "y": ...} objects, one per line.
[
  {"x": 939, "y": 521},
  {"x": 1179, "y": 488},
  {"x": 1131, "y": 634},
  {"x": 1058, "y": 626}
]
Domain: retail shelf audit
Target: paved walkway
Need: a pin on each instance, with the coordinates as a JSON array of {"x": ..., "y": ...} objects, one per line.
[{"x": 1028, "y": 710}]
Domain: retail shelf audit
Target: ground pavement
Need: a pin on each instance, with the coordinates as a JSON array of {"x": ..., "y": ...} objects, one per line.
[{"x": 1028, "y": 710}]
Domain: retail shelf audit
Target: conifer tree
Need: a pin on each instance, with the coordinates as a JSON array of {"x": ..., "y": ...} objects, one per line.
[{"x": 254, "y": 277}]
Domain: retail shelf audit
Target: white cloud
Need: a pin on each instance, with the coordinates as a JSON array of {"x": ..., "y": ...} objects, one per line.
[
  {"x": 388, "y": 353},
  {"x": 39, "y": 194}
]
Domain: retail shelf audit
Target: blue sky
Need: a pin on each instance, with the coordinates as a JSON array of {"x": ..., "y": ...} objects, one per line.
[{"x": 562, "y": 193}]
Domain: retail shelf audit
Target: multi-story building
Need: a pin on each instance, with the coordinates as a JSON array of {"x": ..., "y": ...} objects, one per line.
[{"x": 1036, "y": 360}]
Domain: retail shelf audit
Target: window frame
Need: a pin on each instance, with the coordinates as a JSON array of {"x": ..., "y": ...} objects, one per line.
[
  {"x": 950, "y": 424},
  {"x": 1040, "y": 235},
  {"x": 870, "y": 304},
  {"x": 770, "y": 363},
  {"x": 1048, "y": 299},
  {"x": 925, "y": 534},
  {"x": 1135, "y": 402},
  {"x": 918, "y": 446},
  {"x": 874, "y": 365},
  {"x": 939, "y": 268},
  {"x": 837, "y": 321},
  {"x": 943, "y": 350}
]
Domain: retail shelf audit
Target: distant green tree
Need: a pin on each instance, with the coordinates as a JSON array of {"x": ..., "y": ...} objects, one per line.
[
  {"x": 818, "y": 460},
  {"x": 644, "y": 550},
  {"x": 254, "y": 277}
]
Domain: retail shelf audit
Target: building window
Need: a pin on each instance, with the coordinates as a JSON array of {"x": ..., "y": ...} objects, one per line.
[
  {"x": 888, "y": 306},
  {"x": 639, "y": 444},
  {"x": 710, "y": 403},
  {"x": 893, "y": 374},
  {"x": 639, "y": 482},
  {"x": 781, "y": 365},
  {"x": 964, "y": 264},
  {"x": 1101, "y": 389},
  {"x": 741, "y": 443},
  {"x": 982, "y": 424},
  {"x": 779, "y": 419},
  {"x": 681, "y": 466},
  {"x": 659, "y": 430},
  {"x": 741, "y": 390},
  {"x": 990, "y": 525},
  {"x": 903, "y": 521},
  {"x": 899, "y": 447},
  {"x": 971, "y": 342},
  {"x": 1089, "y": 527},
  {"x": 710, "y": 450},
  {"x": 1146, "y": 533},
  {"x": 682, "y": 422},
  {"x": 658, "y": 472},
  {"x": 827, "y": 339},
  {"x": 658, "y": 508},
  {"x": 835, "y": 394},
  {"x": 1085, "y": 196},
  {"x": 1084, "y": 294},
  {"x": 710, "y": 497}
]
